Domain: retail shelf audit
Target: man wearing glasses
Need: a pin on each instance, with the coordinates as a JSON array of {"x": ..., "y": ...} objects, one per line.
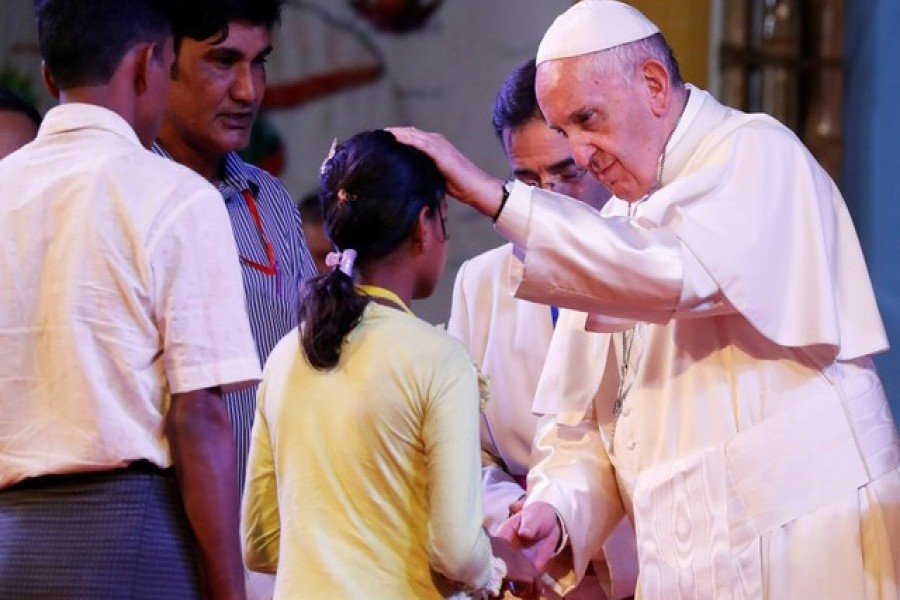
[{"x": 509, "y": 338}]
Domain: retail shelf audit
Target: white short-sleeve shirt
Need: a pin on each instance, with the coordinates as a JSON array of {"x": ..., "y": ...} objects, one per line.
[{"x": 119, "y": 285}]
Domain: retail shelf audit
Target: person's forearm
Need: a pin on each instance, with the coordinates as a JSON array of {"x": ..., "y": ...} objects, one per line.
[
  {"x": 488, "y": 197},
  {"x": 203, "y": 453},
  {"x": 573, "y": 475}
]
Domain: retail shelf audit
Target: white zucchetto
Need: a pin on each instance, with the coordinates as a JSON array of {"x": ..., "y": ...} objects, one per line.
[{"x": 592, "y": 26}]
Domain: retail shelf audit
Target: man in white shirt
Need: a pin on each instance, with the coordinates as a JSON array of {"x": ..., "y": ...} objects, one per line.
[
  {"x": 509, "y": 337},
  {"x": 123, "y": 320},
  {"x": 740, "y": 421}
]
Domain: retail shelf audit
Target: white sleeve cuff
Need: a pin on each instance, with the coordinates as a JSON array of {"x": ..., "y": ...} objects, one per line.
[
  {"x": 513, "y": 220},
  {"x": 563, "y": 535}
]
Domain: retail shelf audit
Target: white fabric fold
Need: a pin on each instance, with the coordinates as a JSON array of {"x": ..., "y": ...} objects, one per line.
[
  {"x": 636, "y": 270},
  {"x": 695, "y": 515},
  {"x": 566, "y": 391}
]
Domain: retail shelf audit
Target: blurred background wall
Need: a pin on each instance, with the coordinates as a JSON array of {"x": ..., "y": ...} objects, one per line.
[
  {"x": 343, "y": 66},
  {"x": 871, "y": 162}
]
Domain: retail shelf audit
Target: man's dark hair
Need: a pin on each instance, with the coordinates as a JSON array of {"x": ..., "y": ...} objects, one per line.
[
  {"x": 82, "y": 42},
  {"x": 12, "y": 101},
  {"x": 210, "y": 18},
  {"x": 516, "y": 102}
]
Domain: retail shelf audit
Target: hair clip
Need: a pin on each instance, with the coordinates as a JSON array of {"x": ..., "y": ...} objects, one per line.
[
  {"x": 343, "y": 197},
  {"x": 342, "y": 260},
  {"x": 331, "y": 152}
]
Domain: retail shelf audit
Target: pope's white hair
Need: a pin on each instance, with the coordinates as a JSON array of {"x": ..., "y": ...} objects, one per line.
[{"x": 625, "y": 58}]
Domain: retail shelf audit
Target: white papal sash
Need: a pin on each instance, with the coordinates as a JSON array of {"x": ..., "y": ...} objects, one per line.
[{"x": 695, "y": 516}]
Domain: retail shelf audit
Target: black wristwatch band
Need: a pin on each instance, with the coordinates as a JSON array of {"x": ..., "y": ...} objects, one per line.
[{"x": 503, "y": 199}]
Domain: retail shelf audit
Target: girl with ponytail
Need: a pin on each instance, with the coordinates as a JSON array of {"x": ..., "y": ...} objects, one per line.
[
  {"x": 380, "y": 201},
  {"x": 364, "y": 477}
]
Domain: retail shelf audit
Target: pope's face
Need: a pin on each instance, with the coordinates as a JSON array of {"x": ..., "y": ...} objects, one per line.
[
  {"x": 541, "y": 157},
  {"x": 608, "y": 121}
]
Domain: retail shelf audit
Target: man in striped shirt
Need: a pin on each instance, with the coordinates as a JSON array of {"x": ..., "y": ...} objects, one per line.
[{"x": 218, "y": 81}]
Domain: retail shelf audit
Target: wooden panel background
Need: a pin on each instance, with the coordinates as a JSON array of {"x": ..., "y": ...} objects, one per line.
[{"x": 686, "y": 25}]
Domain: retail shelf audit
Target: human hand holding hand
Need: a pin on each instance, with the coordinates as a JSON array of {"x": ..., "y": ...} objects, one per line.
[
  {"x": 465, "y": 180},
  {"x": 522, "y": 579},
  {"x": 535, "y": 529}
]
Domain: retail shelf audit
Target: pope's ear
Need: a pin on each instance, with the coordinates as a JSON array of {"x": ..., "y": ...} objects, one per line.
[{"x": 656, "y": 81}]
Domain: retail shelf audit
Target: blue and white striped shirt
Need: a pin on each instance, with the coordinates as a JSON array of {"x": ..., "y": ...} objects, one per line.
[{"x": 272, "y": 301}]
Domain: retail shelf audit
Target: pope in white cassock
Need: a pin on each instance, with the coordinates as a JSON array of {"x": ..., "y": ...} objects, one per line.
[{"x": 737, "y": 419}]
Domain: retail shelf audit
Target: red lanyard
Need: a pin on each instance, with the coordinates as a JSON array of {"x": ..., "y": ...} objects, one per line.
[{"x": 272, "y": 267}]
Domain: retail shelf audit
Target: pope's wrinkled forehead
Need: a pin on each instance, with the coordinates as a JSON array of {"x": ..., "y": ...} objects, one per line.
[{"x": 591, "y": 26}]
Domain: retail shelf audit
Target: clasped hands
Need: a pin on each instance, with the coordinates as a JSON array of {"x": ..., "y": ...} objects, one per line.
[{"x": 526, "y": 542}]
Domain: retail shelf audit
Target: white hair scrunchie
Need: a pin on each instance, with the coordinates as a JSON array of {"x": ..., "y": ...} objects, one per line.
[{"x": 342, "y": 260}]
